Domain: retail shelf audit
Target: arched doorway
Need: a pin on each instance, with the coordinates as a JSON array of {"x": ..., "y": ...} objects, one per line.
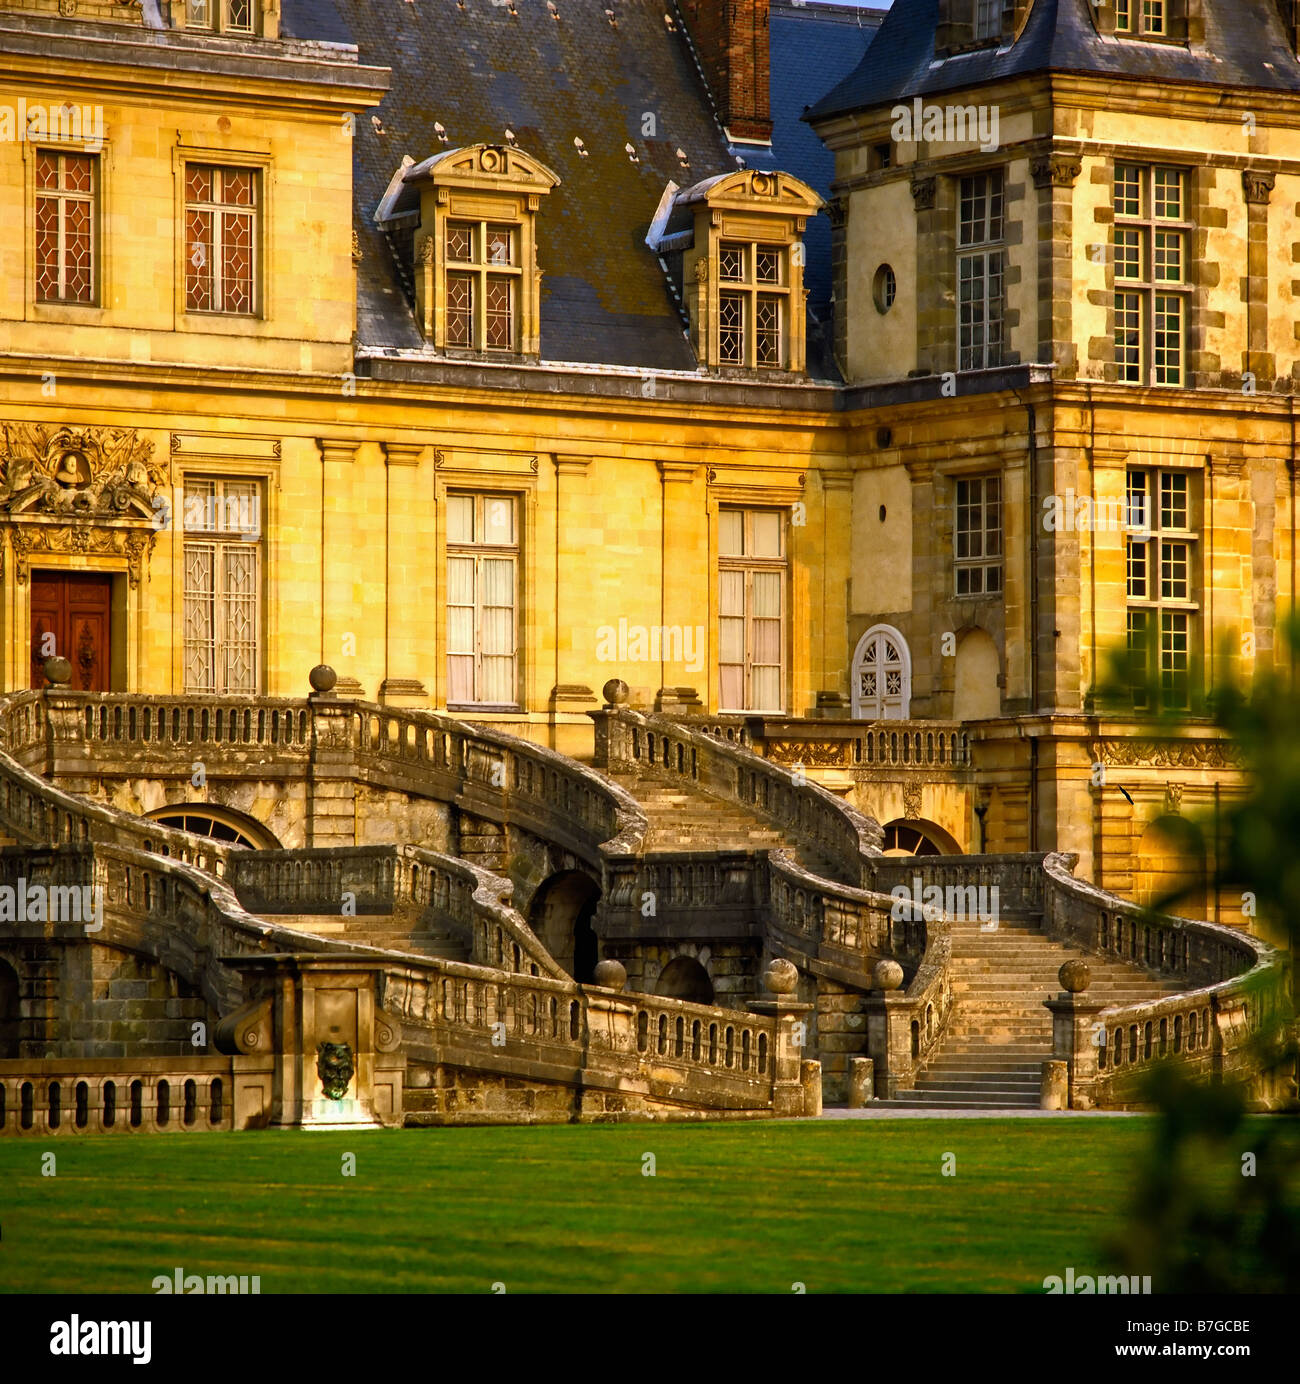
[
  {"x": 560, "y": 914},
  {"x": 882, "y": 676},
  {"x": 1169, "y": 872},
  {"x": 917, "y": 838},
  {"x": 683, "y": 978},
  {"x": 976, "y": 694},
  {"x": 9, "y": 1017},
  {"x": 219, "y": 823}
]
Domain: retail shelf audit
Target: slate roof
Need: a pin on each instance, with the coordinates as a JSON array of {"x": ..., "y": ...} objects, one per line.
[
  {"x": 814, "y": 46},
  {"x": 1245, "y": 45},
  {"x": 605, "y": 298}
]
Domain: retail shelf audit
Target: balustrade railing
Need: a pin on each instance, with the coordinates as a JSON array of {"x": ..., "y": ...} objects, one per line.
[
  {"x": 935, "y": 746},
  {"x": 75, "y": 1095}
]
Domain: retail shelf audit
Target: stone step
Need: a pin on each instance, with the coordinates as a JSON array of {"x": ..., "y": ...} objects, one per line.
[
  {"x": 1017, "y": 1090},
  {"x": 919, "y": 1100}
]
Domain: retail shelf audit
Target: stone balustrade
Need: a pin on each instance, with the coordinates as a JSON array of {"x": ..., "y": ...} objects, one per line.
[
  {"x": 937, "y": 747},
  {"x": 84, "y": 1095},
  {"x": 1016, "y": 882}
]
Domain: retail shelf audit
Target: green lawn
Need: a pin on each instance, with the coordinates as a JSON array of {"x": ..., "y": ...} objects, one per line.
[{"x": 851, "y": 1206}]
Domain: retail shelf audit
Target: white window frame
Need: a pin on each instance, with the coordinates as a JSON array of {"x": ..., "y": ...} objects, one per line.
[
  {"x": 480, "y": 269},
  {"x": 480, "y": 551},
  {"x": 223, "y": 522},
  {"x": 748, "y": 564},
  {"x": 749, "y": 292}
]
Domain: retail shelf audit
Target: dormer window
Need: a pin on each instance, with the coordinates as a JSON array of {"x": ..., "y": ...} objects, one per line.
[
  {"x": 736, "y": 242},
  {"x": 1140, "y": 17},
  {"x": 470, "y": 215},
  {"x": 238, "y": 18}
]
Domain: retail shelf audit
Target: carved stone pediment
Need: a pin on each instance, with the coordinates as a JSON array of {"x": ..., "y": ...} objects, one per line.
[{"x": 78, "y": 472}]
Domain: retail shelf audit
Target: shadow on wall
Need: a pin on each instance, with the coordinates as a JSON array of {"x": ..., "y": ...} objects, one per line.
[{"x": 560, "y": 914}]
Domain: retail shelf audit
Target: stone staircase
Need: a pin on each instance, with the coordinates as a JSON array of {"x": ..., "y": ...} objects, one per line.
[
  {"x": 380, "y": 930},
  {"x": 1000, "y": 1033},
  {"x": 690, "y": 819}
]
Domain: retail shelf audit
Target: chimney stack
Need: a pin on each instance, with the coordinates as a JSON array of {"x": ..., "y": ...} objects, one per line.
[{"x": 731, "y": 37}]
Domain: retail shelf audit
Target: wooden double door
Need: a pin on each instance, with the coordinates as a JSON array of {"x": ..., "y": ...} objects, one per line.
[{"x": 72, "y": 615}]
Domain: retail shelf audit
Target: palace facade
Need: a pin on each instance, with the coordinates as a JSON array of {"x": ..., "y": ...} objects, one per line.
[{"x": 852, "y": 383}]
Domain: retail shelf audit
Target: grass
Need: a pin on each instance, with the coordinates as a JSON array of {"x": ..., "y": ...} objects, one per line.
[{"x": 844, "y": 1206}]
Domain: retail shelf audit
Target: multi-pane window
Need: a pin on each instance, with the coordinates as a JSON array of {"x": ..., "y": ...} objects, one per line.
[
  {"x": 223, "y": 534},
  {"x": 752, "y": 579},
  {"x": 220, "y": 239},
  {"x": 1151, "y": 289},
  {"x": 65, "y": 227},
  {"x": 482, "y": 596},
  {"x": 753, "y": 298},
  {"x": 231, "y": 17},
  {"x": 980, "y": 262},
  {"x": 988, "y": 19},
  {"x": 483, "y": 281},
  {"x": 977, "y": 536},
  {"x": 1162, "y": 543},
  {"x": 1140, "y": 16}
]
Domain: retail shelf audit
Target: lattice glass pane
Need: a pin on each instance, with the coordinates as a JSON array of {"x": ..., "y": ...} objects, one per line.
[
  {"x": 499, "y": 317},
  {"x": 460, "y": 310},
  {"x": 767, "y": 330},
  {"x": 237, "y": 262},
  {"x": 731, "y": 262},
  {"x": 76, "y": 251},
  {"x": 198, "y": 182},
  {"x": 239, "y": 642},
  {"x": 460, "y": 242},
  {"x": 731, "y": 328},
  {"x": 237, "y": 187},
  {"x": 869, "y": 655},
  {"x": 78, "y": 173},
  {"x": 199, "y": 267},
  {"x": 241, "y": 16},
  {"x": 47, "y": 169},
  {"x": 893, "y": 684},
  {"x": 198, "y": 14},
  {"x": 767, "y": 264},
  {"x": 200, "y": 618},
  {"x": 47, "y": 248},
  {"x": 867, "y": 682},
  {"x": 500, "y": 245}
]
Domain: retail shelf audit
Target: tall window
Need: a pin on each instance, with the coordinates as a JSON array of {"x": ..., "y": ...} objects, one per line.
[
  {"x": 752, "y": 579},
  {"x": 977, "y": 536},
  {"x": 1151, "y": 236},
  {"x": 482, "y": 283},
  {"x": 980, "y": 259},
  {"x": 482, "y": 594},
  {"x": 752, "y": 305},
  {"x": 1162, "y": 561},
  {"x": 65, "y": 227},
  {"x": 223, "y": 539},
  {"x": 1140, "y": 16},
  {"x": 220, "y": 239},
  {"x": 988, "y": 19}
]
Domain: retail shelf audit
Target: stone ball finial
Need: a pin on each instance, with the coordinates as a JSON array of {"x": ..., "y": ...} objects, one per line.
[
  {"x": 781, "y": 976},
  {"x": 615, "y": 692},
  {"x": 1075, "y": 977},
  {"x": 58, "y": 671},
  {"x": 888, "y": 975},
  {"x": 322, "y": 678},
  {"x": 611, "y": 974}
]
